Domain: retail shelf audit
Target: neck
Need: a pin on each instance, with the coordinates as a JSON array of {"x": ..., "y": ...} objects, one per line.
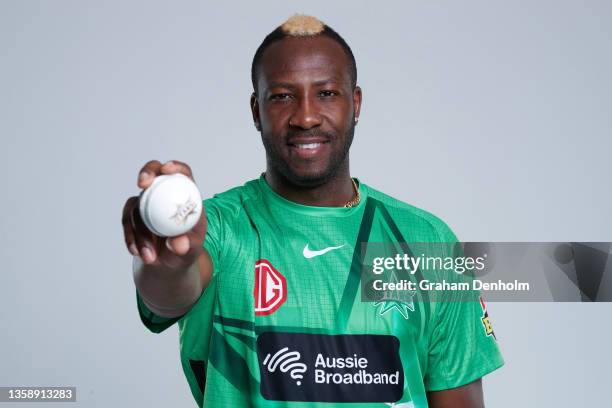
[{"x": 335, "y": 192}]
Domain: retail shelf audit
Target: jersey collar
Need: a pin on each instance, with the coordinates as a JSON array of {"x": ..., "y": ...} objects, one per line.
[{"x": 279, "y": 201}]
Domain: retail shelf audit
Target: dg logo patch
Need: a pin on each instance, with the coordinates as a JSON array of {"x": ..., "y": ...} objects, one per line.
[{"x": 270, "y": 288}]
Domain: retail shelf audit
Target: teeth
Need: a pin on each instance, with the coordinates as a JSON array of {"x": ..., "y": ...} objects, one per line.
[{"x": 308, "y": 146}]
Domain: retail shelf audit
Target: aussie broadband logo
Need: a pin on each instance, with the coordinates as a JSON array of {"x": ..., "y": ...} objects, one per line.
[
  {"x": 286, "y": 361},
  {"x": 330, "y": 368}
]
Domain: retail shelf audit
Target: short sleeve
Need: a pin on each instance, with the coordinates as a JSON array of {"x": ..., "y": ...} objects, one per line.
[
  {"x": 158, "y": 324},
  {"x": 463, "y": 346},
  {"x": 153, "y": 322},
  {"x": 214, "y": 233}
]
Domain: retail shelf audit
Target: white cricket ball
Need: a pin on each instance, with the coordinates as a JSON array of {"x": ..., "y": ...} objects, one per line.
[{"x": 171, "y": 206}]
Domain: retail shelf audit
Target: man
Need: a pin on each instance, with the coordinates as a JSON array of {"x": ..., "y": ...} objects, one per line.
[{"x": 265, "y": 289}]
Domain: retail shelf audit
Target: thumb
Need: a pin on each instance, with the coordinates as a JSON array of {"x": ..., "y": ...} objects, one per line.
[{"x": 178, "y": 245}]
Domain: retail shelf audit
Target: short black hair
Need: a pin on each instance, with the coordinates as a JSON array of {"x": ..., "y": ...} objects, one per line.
[{"x": 279, "y": 33}]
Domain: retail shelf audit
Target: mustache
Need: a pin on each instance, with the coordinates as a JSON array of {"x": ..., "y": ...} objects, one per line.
[{"x": 310, "y": 133}]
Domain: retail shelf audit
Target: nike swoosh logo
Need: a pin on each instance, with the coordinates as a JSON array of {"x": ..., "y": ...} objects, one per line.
[{"x": 308, "y": 253}]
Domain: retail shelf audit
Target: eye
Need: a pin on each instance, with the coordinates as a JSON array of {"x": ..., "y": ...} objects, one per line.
[
  {"x": 328, "y": 93},
  {"x": 280, "y": 96}
]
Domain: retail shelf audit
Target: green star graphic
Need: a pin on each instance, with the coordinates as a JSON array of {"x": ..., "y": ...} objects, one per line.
[
  {"x": 394, "y": 300},
  {"x": 402, "y": 308}
]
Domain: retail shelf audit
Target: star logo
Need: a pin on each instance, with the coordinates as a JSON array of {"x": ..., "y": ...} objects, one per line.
[
  {"x": 402, "y": 301},
  {"x": 402, "y": 308},
  {"x": 183, "y": 211}
]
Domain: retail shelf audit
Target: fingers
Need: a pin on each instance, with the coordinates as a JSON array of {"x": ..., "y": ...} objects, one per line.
[
  {"x": 145, "y": 241},
  {"x": 175, "y": 166},
  {"x": 193, "y": 239},
  {"x": 189, "y": 243},
  {"x": 135, "y": 233},
  {"x": 155, "y": 168},
  {"x": 142, "y": 242},
  {"x": 150, "y": 248},
  {"x": 180, "y": 251},
  {"x": 148, "y": 173},
  {"x": 126, "y": 221}
]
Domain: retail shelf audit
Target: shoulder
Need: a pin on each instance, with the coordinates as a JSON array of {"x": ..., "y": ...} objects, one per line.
[
  {"x": 422, "y": 225},
  {"x": 230, "y": 203}
]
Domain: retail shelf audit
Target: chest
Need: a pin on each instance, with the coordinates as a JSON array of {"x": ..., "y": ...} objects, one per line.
[{"x": 307, "y": 279}]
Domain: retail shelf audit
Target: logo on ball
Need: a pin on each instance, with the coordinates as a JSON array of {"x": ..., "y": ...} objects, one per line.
[{"x": 183, "y": 211}]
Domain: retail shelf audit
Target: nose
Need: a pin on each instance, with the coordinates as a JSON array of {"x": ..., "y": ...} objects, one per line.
[{"x": 306, "y": 114}]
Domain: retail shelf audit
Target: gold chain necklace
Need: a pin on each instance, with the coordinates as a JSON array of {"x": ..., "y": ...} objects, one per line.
[{"x": 354, "y": 201}]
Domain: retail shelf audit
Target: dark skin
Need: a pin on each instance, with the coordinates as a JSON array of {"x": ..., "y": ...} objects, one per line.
[
  {"x": 304, "y": 96},
  {"x": 305, "y": 107},
  {"x": 304, "y": 93}
]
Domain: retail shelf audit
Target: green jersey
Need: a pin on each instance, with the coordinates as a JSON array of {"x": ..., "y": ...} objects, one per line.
[{"x": 282, "y": 322}]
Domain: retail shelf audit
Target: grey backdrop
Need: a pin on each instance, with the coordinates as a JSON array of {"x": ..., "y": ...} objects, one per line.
[{"x": 493, "y": 115}]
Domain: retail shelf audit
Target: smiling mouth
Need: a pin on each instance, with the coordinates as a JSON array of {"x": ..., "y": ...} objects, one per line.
[{"x": 307, "y": 146}]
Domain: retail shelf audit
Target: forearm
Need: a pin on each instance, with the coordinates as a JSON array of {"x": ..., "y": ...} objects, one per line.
[{"x": 170, "y": 292}]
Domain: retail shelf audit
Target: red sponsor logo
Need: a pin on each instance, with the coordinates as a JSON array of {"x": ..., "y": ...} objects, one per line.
[{"x": 270, "y": 288}]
